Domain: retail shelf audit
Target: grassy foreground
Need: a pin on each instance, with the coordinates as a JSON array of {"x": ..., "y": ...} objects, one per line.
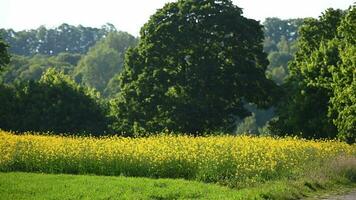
[{"x": 17, "y": 185}]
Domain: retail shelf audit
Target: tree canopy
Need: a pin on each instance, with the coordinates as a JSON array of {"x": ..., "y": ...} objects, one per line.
[
  {"x": 275, "y": 29},
  {"x": 103, "y": 61},
  {"x": 4, "y": 56},
  {"x": 196, "y": 65},
  {"x": 23, "y": 68},
  {"x": 321, "y": 100},
  {"x": 64, "y": 38},
  {"x": 54, "y": 104},
  {"x": 96, "y": 68},
  {"x": 280, "y": 44}
]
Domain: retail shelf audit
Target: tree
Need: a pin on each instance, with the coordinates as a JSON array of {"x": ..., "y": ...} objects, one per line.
[
  {"x": 197, "y": 63},
  {"x": 4, "y": 56},
  {"x": 22, "y": 68},
  {"x": 275, "y": 29},
  {"x": 248, "y": 126},
  {"x": 70, "y": 58},
  {"x": 54, "y": 104},
  {"x": 6, "y": 94},
  {"x": 280, "y": 44},
  {"x": 104, "y": 61},
  {"x": 8, "y": 109},
  {"x": 343, "y": 102},
  {"x": 278, "y": 67},
  {"x": 322, "y": 80}
]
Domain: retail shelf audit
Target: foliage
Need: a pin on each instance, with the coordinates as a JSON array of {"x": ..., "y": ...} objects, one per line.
[
  {"x": 343, "y": 101},
  {"x": 303, "y": 114},
  {"x": 230, "y": 160},
  {"x": 247, "y": 126},
  {"x": 196, "y": 64},
  {"x": 104, "y": 61},
  {"x": 22, "y": 68},
  {"x": 8, "y": 107},
  {"x": 254, "y": 124},
  {"x": 275, "y": 29},
  {"x": 280, "y": 44},
  {"x": 278, "y": 67},
  {"x": 4, "y": 56},
  {"x": 64, "y": 38},
  {"x": 6, "y": 97},
  {"x": 320, "y": 89},
  {"x": 53, "y": 104}
]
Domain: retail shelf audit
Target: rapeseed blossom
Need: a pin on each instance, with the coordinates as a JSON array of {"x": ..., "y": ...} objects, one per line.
[{"x": 210, "y": 158}]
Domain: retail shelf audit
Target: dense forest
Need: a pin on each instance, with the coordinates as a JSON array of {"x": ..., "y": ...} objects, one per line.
[{"x": 196, "y": 71}]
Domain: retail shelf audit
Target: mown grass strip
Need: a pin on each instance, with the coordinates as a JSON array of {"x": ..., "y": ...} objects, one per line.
[{"x": 18, "y": 185}]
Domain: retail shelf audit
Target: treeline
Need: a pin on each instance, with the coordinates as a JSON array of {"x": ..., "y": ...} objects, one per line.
[
  {"x": 104, "y": 49},
  {"x": 64, "y": 38},
  {"x": 61, "y": 89},
  {"x": 193, "y": 71},
  {"x": 97, "y": 68}
]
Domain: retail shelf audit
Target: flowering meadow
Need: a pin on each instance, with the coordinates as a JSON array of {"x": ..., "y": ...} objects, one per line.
[{"x": 223, "y": 159}]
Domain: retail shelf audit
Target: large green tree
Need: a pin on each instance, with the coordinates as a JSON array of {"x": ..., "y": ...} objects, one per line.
[
  {"x": 321, "y": 100},
  {"x": 196, "y": 65}
]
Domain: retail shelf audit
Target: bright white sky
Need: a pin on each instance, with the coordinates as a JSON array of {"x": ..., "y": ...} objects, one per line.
[{"x": 130, "y": 15}]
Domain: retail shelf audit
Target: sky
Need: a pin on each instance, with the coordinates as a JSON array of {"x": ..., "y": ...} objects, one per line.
[{"x": 130, "y": 15}]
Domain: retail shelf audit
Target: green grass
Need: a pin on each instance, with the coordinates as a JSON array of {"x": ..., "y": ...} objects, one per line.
[
  {"x": 18, "y": 185},
  {"x": 45, "y": 186}
]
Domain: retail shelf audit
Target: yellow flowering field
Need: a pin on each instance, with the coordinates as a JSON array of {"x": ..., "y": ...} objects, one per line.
[{"x": 210, "y": 159}]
